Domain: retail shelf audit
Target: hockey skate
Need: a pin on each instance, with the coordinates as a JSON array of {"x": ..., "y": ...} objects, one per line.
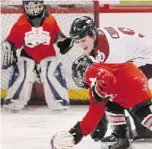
[
  {"x": 14, "y": 105},
  {"x": 59, "y": 106},
  {"x": 114, "y": 142},
  {"x": 60, "y": 109},
  {"x": 122, "y": 143},
  {"x": 110, "y": 138}
]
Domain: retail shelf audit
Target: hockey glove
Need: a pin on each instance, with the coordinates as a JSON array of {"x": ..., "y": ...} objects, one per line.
[
  {"x": 65, "y": 45},
  {"x": 62, "y": 140},
  {"x": 101, "y": 129},
  {"x": 76, "y": 132},
  {"x": 67, "y": 139},
  {"x": 8, "y": 54}
]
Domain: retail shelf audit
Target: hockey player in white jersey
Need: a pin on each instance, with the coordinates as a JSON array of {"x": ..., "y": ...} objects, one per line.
[
  {"x": 35, "y": 32},
  {"x": 114, "y": 45}
]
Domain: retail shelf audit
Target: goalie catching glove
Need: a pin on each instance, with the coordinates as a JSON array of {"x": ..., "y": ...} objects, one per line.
[
  {"x": 67, "y": 139},
  {"x": 8, "y": 54}
]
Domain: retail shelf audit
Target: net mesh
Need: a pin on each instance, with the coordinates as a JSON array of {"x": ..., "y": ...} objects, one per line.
[{"x": 65, "y": 12}]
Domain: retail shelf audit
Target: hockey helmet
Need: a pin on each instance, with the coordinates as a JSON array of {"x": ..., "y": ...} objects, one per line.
[
  {"x": 81, "y": 27},
  {"x": 79, "y": 67},
  {"x": 33, "y": 8}
]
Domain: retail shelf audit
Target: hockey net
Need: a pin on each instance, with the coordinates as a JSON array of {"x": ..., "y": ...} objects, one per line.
[{"x": 65, "y": 12}]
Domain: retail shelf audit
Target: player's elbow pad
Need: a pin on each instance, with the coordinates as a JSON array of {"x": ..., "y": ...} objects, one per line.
[{"x": 65, "y": 45}]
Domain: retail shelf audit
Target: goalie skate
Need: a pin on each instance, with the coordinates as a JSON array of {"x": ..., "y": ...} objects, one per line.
[
  {"x": 14, "y": 105},
  {"x": 58, "y": 108}
]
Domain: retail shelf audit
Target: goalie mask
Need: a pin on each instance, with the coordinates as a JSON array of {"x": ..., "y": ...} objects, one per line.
[
  {"x": 33, "y": 8},
  {"x": 81, "y": 27},
  {"x": 79, "y": 67}
]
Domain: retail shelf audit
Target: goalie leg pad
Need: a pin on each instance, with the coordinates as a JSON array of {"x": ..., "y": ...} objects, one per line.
[
  {"x": 54, "y": 83},
  {"x": 62, "y": 140},
  {"x": 19, "y": 93},
  {"x": 14, "y": 76}
]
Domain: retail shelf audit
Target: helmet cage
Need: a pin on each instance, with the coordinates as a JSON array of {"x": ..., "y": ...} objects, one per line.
[
  {"x": 79, "y": 67},
  {"x": 33, "y": 8}
]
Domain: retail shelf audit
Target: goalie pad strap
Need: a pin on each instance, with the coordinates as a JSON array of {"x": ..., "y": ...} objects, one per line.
[{"x": 116, "y": 119}]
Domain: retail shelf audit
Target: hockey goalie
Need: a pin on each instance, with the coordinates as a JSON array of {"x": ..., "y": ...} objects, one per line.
[{"x": 35, "y": 32}]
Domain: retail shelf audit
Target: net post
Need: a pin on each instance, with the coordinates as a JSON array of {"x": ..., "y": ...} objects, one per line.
[{"x": 96, "y": 12}]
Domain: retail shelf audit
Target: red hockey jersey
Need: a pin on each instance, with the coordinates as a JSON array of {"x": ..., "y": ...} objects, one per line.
[
  {"x": 126, "y": 81},
  {"x": 36, "y": 41}
]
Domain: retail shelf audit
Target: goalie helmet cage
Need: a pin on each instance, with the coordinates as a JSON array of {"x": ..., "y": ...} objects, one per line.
[{"x": 65, "y": 12}]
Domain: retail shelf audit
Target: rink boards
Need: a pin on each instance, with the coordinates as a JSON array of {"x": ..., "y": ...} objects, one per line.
[{"x": 76, "y": 97}]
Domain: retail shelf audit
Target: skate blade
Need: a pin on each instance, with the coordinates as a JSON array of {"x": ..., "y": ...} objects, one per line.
[{"x": 56, "y": 111}]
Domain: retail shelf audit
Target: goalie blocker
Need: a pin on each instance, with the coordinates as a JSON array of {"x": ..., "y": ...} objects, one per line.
[{"x": 8, "y": 52}]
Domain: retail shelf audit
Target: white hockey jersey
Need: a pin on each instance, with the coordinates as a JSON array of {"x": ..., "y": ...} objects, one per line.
[{"x": 120, "y": 45}]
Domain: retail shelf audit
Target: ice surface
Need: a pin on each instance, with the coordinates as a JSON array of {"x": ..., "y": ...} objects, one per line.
[{"x": 33, "y": 128}]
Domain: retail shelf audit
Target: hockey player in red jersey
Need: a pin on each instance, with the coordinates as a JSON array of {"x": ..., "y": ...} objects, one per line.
[
  {"x": 114, "y": 45},
  {"x": 124, "y": 84},
  {"x": 35, "y": 32}
]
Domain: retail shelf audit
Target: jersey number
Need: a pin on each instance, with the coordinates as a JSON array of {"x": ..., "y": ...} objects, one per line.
[{"x": 114, "y": 34}]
